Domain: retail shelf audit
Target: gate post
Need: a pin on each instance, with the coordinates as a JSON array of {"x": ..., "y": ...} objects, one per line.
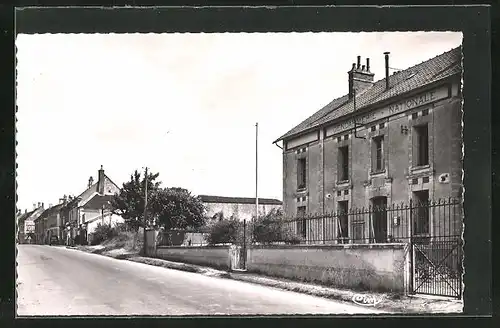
[
  {"x": 244, "y": 249},
  {"x": 412, "y": 252}
]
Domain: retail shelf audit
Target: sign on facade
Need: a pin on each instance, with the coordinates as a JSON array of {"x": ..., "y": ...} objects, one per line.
[{"x": 402, "y": 106}]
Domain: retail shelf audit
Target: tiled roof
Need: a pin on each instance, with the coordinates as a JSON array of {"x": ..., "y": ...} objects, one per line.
[
  {"x": 36, "y": 214},
  {"x": 51, "y": 210},
  {"x": 98, "y": 201},
  {"x": 427, "y": 72},
  {"x": 238, "y": 200},
  {"x": 24, "y": 216},
  {"x": 89, "y": 192}
]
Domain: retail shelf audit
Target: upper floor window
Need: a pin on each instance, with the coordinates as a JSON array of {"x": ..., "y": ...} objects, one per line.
[
  {"x": 421, "y": 145},
  {"x": 343, "y": 163},
  {"x": 377, "y": 154},
  {"x": 301, "y": 173}
]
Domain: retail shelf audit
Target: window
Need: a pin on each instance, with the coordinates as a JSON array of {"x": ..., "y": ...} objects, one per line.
[
  {"x": 358, "y": 231},
  {"x": 421, "y": 145},
  {"x": 421, "y": 212},
  {"x": 377, "y": 154},
  {"x": 301, "y": 222},
  {"x": 343, "y": 163},
  {"x": 343, "y": 220},
  {"x": 301, "y": 173},
  {"x": 379, "y": 219}
]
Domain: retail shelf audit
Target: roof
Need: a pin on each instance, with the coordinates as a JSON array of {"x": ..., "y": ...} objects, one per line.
[
  {"x": 24, "y": 216},
  {"x": 435, "y": 69},
  {"x": 35, "y": 214},
  {"x": 89, "y": 192},
  {"x": 97, "y": 201},
  {"x": 238, "y": 200},
  {"x": 50, "y": 211}
]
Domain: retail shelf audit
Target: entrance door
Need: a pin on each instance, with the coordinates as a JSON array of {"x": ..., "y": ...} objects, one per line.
[{"x": 379, "y": 219}]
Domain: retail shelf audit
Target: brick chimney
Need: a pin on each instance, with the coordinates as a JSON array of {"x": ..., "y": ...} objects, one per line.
[
  {"x": 100, "y": 182},
  {"x": 360, "y": 77}
]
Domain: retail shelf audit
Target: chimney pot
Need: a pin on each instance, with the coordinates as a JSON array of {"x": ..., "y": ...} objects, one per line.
[
  {"x": 100, "y": 181},
  {"x": 359, "y": 61},
  {"x": 363, "y": 68},
  {"x": 386, "y": 69},
  {"x": 367, "y": 64}
]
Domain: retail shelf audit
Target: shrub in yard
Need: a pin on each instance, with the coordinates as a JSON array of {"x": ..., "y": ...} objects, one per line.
[
  {"x": 272, "y": 228},
  {"x": 224, "y": 231},
  {"x": 103, "y": 232}
]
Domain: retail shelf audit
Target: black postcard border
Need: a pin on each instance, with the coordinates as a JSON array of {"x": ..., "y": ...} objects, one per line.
[{"x": 473, "y": 21}]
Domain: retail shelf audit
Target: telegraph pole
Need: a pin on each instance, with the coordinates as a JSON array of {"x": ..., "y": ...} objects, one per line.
[
  {"x": 145, "y": 208},
  {"x": 256, "y": 171}
]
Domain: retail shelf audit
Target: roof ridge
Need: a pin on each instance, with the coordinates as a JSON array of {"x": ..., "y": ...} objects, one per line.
[{"x": 375, "y": 93}]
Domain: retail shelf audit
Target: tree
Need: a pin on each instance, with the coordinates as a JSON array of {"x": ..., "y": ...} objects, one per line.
[
  {"x": 176, "y": 208},
  {"x": 129, "y": 203},
  {"x": 272, "y": 228}
]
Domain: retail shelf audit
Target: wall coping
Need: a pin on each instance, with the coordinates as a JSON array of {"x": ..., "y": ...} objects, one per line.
[
  {"x": 336, "y": 246},
  {"x": 195, "y": 247}
]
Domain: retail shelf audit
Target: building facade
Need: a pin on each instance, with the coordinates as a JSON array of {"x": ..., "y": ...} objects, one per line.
[
  {"x": 242, "y": 208},
  {"x": 397, "y": 140},
  {"x": 90, "y": 204}
]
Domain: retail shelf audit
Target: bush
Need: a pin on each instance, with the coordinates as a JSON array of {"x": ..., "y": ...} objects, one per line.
[
  {"x": 223, "y": 231},
  {"x": 103, "y": 232},
  {"x": 272, "y": 228}
]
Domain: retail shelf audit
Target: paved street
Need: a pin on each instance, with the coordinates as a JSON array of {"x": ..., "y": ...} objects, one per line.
[{"x": 60, "y": 281}]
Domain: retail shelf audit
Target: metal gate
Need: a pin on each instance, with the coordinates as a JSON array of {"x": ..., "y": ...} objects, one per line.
[{"x": 437, "y": 267}]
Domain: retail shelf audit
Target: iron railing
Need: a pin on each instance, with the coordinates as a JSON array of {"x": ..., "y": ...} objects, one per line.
[{"x": 417, "y": 222}]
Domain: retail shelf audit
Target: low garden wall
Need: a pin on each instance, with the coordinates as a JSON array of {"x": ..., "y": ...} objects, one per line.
[
  {"x": 213, "y": 256},
  {"x": 381, "y": 267}
]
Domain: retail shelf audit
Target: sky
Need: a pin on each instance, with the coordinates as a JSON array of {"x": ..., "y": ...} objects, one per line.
[{"x": 184, "y": 105}]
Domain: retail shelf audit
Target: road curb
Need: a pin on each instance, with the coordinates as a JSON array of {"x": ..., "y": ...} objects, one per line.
[{"x": 386, "y": 303}]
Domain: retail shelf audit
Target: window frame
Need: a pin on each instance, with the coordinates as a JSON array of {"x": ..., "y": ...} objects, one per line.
[{"x": 343, "y": 163}]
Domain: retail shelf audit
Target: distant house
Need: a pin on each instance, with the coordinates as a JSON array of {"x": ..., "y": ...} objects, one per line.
[
  {"x": 29, "y": 223},
  {"x": 53, "y": 225},
  {"x": 239, "y": 207},
  {"x": 100, "y": 205},
  {"x": 21, "y": 226},
  {"x": 90, "y": 204}
]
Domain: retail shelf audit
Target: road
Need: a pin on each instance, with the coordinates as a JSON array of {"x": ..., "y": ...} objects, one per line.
[{"x": 60, "y": 281}]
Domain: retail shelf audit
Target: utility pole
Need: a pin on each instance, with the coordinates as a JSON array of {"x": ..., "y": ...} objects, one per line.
[
  {"x": 256, "y": 170},
  {"x": 145, "y": 208}
]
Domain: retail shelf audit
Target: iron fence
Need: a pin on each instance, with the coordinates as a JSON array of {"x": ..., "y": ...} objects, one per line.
[{"x": 420, "y": 222}]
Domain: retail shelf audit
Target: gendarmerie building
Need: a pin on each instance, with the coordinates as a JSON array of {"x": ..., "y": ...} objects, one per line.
[{"x": 385, "y": 142}]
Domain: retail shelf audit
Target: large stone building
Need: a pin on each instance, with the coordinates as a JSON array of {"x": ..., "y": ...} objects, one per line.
[
  {"x": 242, "y": 208},
  {"x": 385, "y": 142}
]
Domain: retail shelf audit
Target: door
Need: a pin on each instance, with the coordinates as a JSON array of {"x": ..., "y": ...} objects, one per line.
[{"x": 379, "y": 219}]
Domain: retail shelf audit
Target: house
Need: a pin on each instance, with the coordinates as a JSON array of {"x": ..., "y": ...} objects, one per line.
[
  {"x": 90, "y": 204},
  {"x": 239, "y": 207},
  {"x": 396, "y": 140},
  {"x": 100, "y": 204},
  {"x": 21, "y": 225},
  {"x": 29, "y": 224},
  {"x": 53, "y": 222}
]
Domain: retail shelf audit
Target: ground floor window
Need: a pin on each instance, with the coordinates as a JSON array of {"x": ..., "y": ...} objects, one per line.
[
  {"x": 420, "y": 215},
  {"x": 301, "y": 222},
  {"x": 379, "y": 219},
  {"x": 343, "y": 221}
]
